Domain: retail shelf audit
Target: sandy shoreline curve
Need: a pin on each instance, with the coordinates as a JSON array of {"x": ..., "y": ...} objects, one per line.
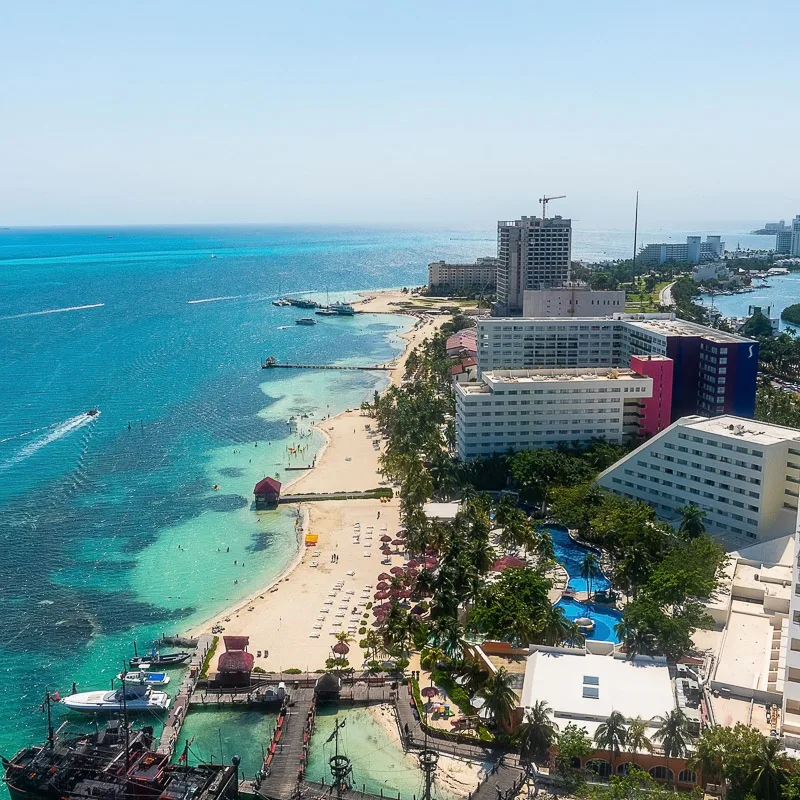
[{"x": 292, "y": 619}]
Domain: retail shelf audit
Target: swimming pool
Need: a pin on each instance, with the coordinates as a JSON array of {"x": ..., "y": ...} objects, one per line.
[{"x": 570, "y": 554}]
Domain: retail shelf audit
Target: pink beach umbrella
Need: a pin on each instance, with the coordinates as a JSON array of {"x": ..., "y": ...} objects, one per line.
[
  {"x": 382, "y": 586},
  {"x": 384, "y": 576},
  {"x": 341, "y": 649},
  {"x": 413, "y": 564},
  {"x": 429, "y": 692},
  {"x": 507, "y": 562},
  {"x": 397, "y": 570},
  {"x": 382, "y": 595},
  {"x": 430, "y": 563},
  {"x": 386, "y": 538},
  {"x": 397, "y": 541}
]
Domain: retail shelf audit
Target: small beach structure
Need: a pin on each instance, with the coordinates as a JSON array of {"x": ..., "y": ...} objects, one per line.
[
  {"x": 235, "y": 664},
  {"x": 327, "y": 688},
  {"x": 267, "y": 493}
]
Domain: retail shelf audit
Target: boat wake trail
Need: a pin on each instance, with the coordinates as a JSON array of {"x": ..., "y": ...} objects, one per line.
[
  {"x": 55, "y": 432},
  {"x": 53, "y": 311},
  {"x": 214, "y": 299}
]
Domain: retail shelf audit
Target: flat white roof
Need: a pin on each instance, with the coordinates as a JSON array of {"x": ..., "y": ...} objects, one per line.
[
  {"x": 640, "y": 687},
  {"x": 680, "y": 327},
  {"x": 503, "y": 376},
  {"x": 748, "y": 430},
  {"x": 441, "y": 510}
]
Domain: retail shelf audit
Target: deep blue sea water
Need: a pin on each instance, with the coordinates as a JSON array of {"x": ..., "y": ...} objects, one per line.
[{"x": 110, "y": 532}]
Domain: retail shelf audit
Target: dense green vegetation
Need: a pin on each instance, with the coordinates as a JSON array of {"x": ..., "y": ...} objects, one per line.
[
  {"x": 753, "y": 765},
  {"x": 668, "y": 575},
  {"x": 777, "y": 407},
  {"x": 791, "y": 314}
]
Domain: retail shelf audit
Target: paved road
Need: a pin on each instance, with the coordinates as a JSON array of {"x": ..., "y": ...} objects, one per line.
[{"x": 665, "y": 295}]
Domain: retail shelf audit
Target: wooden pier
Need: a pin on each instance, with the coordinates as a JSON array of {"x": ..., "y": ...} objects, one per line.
[
  {"x": 180, "y": 705},
  {"x": 375, "y": 367}
]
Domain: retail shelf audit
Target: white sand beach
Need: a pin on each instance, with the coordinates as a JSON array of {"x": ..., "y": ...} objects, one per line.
[{"x": 292, "y": 621}]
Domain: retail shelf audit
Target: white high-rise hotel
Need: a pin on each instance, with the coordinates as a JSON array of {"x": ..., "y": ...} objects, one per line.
[{"x": 532, "y": 253}]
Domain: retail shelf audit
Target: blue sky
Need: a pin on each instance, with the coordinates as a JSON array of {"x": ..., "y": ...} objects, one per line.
[{"x": 421, "y": 113}]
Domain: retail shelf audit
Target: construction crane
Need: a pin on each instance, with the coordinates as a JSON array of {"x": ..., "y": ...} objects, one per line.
[{"x": 545, "y": 200}]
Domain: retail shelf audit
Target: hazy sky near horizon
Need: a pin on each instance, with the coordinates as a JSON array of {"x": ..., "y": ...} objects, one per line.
[{"x": 420, "y": 113}]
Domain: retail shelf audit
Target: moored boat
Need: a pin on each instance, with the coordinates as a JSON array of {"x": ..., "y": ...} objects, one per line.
[
  {"x": 343, "y": 309},
  {"x": 155, "y": 658},
  {"x": 305, "y": 321},
  {"x": 129, "y": 699},
  {"x": 116, "y": 762},
  {"x": 147, "y": 678}
]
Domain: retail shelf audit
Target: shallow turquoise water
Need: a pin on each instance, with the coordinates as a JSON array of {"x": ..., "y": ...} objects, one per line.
[
  {"x": 219, "y": 735},
  {"x": 379, "y": 763},
  {"x": 110, "y": 525}
]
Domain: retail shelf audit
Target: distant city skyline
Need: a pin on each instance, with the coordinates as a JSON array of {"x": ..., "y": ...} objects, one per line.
[{"x": 442, "y": 115}]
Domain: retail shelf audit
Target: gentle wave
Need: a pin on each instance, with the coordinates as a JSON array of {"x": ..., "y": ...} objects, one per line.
[
  {"x": 60, "y": 430},
  {"x": 215, "y": 299},
  {"x": 53, "y": 311}
]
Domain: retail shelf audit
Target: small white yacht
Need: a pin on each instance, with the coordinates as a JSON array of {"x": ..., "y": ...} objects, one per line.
[
  {"x": 137, "y": 697},
  {"x": 143, "y": 677}
]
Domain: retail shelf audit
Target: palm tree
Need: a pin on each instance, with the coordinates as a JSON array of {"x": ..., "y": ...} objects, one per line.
[
  {"x": 637, "y": 736},
  {"x": 538, "y": 731},
  {"x": 637, "y": 640},
  {"x": 474, "y": 677},
  {"x": 556, "y": 626},
  {"x": 673, "y": 733},
  {"x": 692, "y": 521},
  {"x": 612, "y": 734},
  {"x": 590, "y": 569},
  {"x": 430, "y": 657},
  {"x": 770, "y": 769},
  {"x": 500, "y": 698}
]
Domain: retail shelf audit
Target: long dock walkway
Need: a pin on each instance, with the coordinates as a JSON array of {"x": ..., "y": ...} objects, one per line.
[
  {"x": 289, "y": 749},
  {"x": 365, "y": 368},
  {"x": 180, "y": 705}
]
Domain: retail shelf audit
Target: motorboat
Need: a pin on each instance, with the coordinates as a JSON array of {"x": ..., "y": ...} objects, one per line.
[
  {"x": 143, "y": 677},
  {"x": 326, "y": 312},
  {"x": 343, "y": 309},
  {"x": 305, "y": 321},
  {"x": 281, "y": 303},
  {"x": 130, "y": 698},
  {"x": 155, "y": 658},
  {"x": 92, "y": 412}
]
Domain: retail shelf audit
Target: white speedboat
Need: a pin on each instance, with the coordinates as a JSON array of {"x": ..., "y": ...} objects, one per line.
[
  {"x": 136, "y": 698},
  {"x": 143, "y": 677}
]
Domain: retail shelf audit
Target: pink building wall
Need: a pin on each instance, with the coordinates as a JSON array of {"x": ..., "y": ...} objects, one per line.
[{"x": 657, "y": 410}]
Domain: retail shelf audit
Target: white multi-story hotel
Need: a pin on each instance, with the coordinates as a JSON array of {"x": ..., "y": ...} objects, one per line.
[
  {"x": 572, "y": 301},
  {"x": 444, "y": 277},
  {"x": 525, "y": 409},
  {"x": 693, "y": 252},
  {"x": 532, "y": 253},
  {"x": 715, "y": 372},
  {"x": 744, "y": 474}
]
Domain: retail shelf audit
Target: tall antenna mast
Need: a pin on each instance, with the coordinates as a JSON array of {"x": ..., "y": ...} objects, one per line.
[{"x": 635, "y": 231}]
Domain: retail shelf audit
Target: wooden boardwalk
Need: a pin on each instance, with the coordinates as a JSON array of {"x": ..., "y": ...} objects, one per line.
[
  {"x": 180, "y": 705},
  {"x": 289, "y": 750}
]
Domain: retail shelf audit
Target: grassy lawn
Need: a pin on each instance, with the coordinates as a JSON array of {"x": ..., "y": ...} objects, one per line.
[{"x": 642, "y": 302}]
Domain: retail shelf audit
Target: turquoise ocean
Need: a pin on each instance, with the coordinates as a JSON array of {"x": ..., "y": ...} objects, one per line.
[{"x": 111, "y": 528}]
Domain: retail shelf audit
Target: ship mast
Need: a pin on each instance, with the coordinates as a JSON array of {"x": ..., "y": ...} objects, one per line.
[
  {"x": 428, "y": 760},
  {"x": 50, "y": 735},
  {"x": 339, "y": 765},
  {"x": 125, "y": 718}
]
